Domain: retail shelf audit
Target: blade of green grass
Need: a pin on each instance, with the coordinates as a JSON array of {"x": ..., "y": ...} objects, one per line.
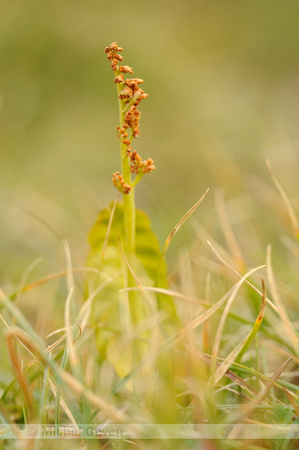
[
  {"x": 256, "y": 326},
  {"x": 247, "y": 410}
]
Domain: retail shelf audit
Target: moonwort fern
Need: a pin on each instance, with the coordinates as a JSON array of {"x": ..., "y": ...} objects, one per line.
[{"x": 124, "y": 247}]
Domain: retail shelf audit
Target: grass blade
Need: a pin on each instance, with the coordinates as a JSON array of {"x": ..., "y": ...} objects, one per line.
[
  {"x": 248, "y": 409},
  {"x": 286, "y": 201},
  {"x": 256, "y": 325},
  {"x": 291, "y": 331},
  {"x": 180, "y": 223},
  {"x": 227, "y": 230},
  {"x": 273, "y": 306}
]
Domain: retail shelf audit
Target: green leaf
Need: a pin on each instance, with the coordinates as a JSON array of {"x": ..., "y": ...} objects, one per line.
[
  {"x": 280, "y": 414},
  {"x": 147, "y": 246},
  {"x": 106, "y": 255}
]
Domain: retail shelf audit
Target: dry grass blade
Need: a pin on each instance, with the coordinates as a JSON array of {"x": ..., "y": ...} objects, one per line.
[
  {"x": 52, "y": 277},
  {"x": 180, "y": 223},
  {"x": 229, "y": 374},
  {"x": 108, "y": 229},
  {"x": 170, "y": 293},
  {"x": 10, "y": 341},
  {"x": 26, "y": 274},
  {"x": 277, "y": 374},
  {"x": 227, "y": 229},
  {"x": 286, "y": 201},
  {"x": 207, "y": 326},
  {"x": 222, "y": 322},
  {"x": 69, "y": 327},
  {"x": 8, "y": 327},
  {"x": 223, "y": 368},
  {"x": 203, "y": 317},
  {"x": 277, "y": 300},
  {"x": 67, "y": 310},
  {"x": 73, "y": 384},
  {"x": 36, "y": 359},
  {"x": 57, "y": 331},
  {"x": 50, "y": 348},
  {"x": 69, "y": 269},
  {"x": 240, "y": 276},
  {"x": 263, "y": 305}
]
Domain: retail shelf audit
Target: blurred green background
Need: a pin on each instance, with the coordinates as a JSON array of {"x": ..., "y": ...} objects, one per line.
[{"x": 223, "y": 84}]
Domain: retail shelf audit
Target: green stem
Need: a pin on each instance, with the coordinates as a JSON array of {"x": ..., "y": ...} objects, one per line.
[
  {"x": 129, "y": 222},
  {"x": 129, "y": 217},
  {"x": 128, "y": 199}
]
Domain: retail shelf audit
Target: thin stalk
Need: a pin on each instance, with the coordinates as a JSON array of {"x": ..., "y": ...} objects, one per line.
[
  {"x": 133, "y": 168},
  {"x": 128, "y": 199},
  {"x": 129, "y": 216}
]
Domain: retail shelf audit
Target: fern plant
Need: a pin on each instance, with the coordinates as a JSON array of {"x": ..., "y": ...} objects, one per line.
[{"x": 123, "y": 245}]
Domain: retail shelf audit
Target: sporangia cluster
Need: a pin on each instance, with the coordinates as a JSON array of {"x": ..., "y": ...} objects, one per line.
[{"x": 130, "y": 95}]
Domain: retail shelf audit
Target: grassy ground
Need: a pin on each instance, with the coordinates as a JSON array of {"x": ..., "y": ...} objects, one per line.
[{"x": 231, "y": 359}]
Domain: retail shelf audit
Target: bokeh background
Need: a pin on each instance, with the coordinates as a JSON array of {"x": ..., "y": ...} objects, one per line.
[{"x": 223, "y": 85}]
